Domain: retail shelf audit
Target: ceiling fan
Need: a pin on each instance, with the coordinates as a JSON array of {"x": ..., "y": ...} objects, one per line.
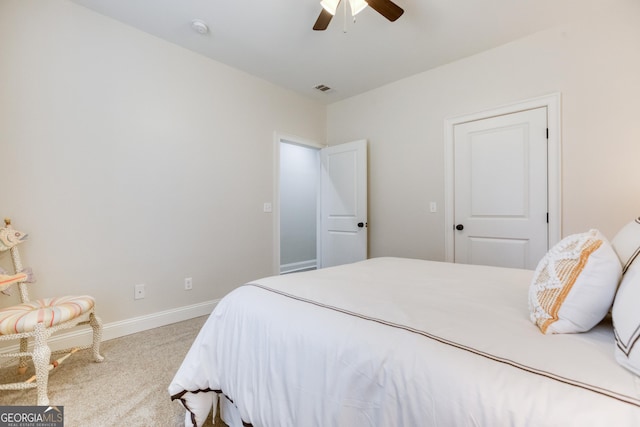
[{"x": 386, "y": 8}]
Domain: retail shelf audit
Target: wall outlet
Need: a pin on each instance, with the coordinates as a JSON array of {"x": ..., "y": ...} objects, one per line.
[
  {"x": 188, "y": 283},
  {"x": 138, "y": 291}
]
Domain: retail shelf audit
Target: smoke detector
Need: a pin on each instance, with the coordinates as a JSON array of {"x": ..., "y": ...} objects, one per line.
[{"x": 199, "y": 26}]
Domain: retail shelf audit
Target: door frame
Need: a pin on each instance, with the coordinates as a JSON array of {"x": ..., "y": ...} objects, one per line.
[
  {"x": 554, "y": 188},
  {"x": 278, "y": 138}
]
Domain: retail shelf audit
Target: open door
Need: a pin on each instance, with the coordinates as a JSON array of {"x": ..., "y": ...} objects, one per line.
[{"x": 343, "y": 210}]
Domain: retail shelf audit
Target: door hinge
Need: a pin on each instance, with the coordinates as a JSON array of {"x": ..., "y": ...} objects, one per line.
[
  {"x": 547, "y": 217},
  {"x": 547, "y": 133}
]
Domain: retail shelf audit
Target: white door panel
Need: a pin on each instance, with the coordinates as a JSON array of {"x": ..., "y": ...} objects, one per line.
[
  {"x": 342, "y": 194},
  {"x": 500, "y": 200},
  {"x": 343, "y": 213},
  {"x": 492, "y": 176},
  {"x": 497, "y": 252}
]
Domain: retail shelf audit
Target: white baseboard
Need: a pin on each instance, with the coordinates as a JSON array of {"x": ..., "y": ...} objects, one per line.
[
  {"x": 298, "y": 266},
  {"x": 82, "y": 336}
]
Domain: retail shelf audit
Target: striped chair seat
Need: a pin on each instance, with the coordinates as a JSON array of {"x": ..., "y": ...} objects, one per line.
[{"x": 50, "y": 311}]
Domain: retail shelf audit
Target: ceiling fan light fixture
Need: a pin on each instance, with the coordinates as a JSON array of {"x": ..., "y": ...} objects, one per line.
[
  {"x": 386, "y": 8},
  {"x": 357, "y": 6},
  {"x": 330, "y": 5}
]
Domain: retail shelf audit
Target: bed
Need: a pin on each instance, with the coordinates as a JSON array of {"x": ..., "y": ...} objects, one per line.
[{"x": 399, "y": 342}]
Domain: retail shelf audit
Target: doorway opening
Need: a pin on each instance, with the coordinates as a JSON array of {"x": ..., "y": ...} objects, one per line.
[
  {"x": 298, "y": 205},
  {"x": 321, "y": 204}
]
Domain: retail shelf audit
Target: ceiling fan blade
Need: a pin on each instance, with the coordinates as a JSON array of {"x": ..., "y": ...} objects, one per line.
[
  {"x": 323, "y": 21},
  {"x": 386, "y": 8}
]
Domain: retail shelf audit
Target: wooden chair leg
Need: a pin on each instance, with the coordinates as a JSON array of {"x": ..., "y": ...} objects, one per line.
[
  {"x": 41, "y": 361},
  {"x": 96, "y": 324}
]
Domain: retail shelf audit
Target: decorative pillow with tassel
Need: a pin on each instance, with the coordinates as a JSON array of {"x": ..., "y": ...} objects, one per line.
[{"x": 574, "y": 284}]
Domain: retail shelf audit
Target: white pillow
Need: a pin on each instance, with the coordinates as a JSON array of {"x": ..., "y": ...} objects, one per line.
[
  {"x": 626, "y": 319},
  {"x": 574, "y": 284},
  {"x": 627, "y": 243}
]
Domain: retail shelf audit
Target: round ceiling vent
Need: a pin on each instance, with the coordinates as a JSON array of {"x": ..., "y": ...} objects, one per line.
[{"x": 199, "y": 26}]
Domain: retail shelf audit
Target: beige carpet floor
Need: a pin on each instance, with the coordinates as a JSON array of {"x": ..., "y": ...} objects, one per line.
[{"x": 128, "y": 389}]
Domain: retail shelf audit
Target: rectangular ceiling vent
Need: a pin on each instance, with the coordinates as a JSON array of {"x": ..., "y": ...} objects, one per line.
[{"x": 323, "y": 88}]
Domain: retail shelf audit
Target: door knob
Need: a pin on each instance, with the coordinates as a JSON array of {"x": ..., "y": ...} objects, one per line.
[
  {"x": 459, "y": 227},
  {"x": 360, "y": 224}
]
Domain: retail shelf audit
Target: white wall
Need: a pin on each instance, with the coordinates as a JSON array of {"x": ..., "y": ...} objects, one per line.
[
  {"x": 594, "y": 63},
  {"x": 130, "y": 160}
]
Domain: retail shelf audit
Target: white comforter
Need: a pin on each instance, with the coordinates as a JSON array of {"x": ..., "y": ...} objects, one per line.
[{"x": 401, "y": 342}]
